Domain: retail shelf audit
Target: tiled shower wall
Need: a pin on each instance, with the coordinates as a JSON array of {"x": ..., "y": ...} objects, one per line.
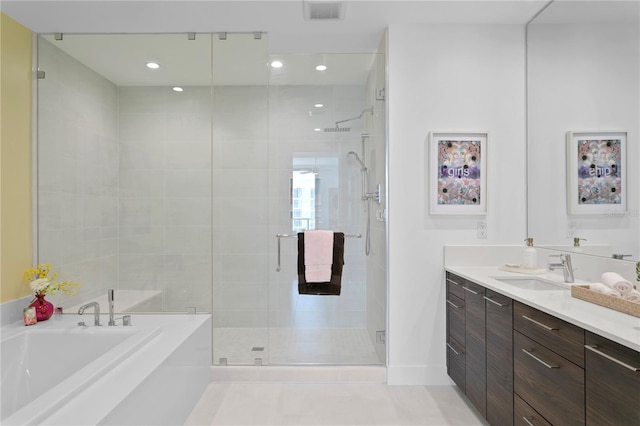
[
  {"x": 124, "y": 181},
  {"x": 164, "y": 233},
  {"x": 241, "y": 215},
  {"x": 77, "y": 173}
]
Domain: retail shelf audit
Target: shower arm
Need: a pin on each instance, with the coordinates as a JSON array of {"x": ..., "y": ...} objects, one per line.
[{"x": 370, "y": 110}]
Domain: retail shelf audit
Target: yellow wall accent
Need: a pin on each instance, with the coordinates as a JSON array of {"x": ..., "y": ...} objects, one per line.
[{"x": 15, "y": 157}]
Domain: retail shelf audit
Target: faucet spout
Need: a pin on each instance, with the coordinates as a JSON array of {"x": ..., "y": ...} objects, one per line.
[
  {"x": 96, "y": 311},
  {"x": 110, "y": 293},
  {"x": 566, "y": 266}
]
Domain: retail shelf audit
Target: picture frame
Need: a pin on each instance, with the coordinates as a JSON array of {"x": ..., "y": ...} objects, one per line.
[
  {"x": 596, "y": 172},
  {"x": 458, "y": 173}
]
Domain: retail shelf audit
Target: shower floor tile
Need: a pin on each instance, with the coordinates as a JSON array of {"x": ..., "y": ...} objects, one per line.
[{"x": 293, "y": 346}]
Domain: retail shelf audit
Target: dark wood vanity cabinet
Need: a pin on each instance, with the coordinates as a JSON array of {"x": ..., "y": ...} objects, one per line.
[
  {"x": 612, "y": 379},
  {"x": 479, "y": 347},
  {"x": 521, "y": 366}
]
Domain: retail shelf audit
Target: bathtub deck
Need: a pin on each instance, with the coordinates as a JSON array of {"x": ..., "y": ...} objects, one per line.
[{"x": 182, "y": 347}]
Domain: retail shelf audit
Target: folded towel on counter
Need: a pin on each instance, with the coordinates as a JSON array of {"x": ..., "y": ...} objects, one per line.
[
  {"x": 601, "y": 288},
  {"x": 318, "y": 256},
  {"x": 331, "y": 287},
  {"x": 632, "y": 296},
  {"x": 616, "y": 282}
]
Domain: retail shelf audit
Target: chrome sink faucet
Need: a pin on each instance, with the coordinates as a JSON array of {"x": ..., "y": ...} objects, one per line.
[
  {"x": 566, "y": 266},
  {"x": 110, "y": 293},
  {"x": 96, "y": 311}
]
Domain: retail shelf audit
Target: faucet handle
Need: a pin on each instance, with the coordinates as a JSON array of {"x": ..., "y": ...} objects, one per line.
[{"x": 620, "y": 256}]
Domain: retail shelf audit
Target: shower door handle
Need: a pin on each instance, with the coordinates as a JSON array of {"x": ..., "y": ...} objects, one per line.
[{"x": 278, "y": 267}]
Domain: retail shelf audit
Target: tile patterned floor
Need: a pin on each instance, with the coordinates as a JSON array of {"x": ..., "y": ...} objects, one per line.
[{"x": 365, "y": 403}]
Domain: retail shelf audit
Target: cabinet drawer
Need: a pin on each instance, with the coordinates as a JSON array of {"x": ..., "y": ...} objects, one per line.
[
  {"x": 612, "y": 374},
  {"x": 454, "y": 285},
  {"x": 524, "y": 415},
  {"x": 558, "y": 335},
  {"x": 550, "y": 384},
  {"x": 455, "y": 318}
]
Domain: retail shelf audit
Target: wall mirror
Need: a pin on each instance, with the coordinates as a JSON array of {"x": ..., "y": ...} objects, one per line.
[{"x": 583, "y": 60}]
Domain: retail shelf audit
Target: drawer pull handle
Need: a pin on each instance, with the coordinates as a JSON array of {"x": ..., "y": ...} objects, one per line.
[
  {"x": 527, "y": 420},
  {"x": 546, "y": 327},
  {"x": 453, "y": 304},
  {"x": 594, "y": 348},
  {"x": 488, "y": 299},
  {"x": 452, "y": 348},
  {"x": 470, "y": 291},
  {"x": 453, "y": 282},
  {"x": 546, "y": 364}
]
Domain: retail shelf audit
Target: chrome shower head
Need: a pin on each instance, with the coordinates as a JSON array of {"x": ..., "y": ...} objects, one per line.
[{"x": 336, "y": 129}]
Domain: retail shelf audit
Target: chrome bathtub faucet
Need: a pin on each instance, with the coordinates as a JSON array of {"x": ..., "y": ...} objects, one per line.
[
  {"x": 566, "y": 266},
  {"x": 110, "y": 293},
  {"x": 96, "y": 311}
]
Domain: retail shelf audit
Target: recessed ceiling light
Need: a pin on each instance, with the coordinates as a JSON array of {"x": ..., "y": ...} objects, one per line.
[
  {"x": 276, "y": 64},
  {"x": 318, "y": 105},
  {"x": 321, "y": 68},
  {"x": 178, "y": 89},
  {"x": 153, "y": 65},
  {"x": 317, "y": 129}
]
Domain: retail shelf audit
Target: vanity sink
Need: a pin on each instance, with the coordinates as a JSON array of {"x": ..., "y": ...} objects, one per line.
[{"x": 531, "y": 283}]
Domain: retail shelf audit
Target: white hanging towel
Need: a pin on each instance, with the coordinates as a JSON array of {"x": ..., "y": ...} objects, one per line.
[{"x": 318, "y": 256}]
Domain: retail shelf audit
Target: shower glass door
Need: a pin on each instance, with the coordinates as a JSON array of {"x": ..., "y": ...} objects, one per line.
[
  {"x": 316, "y": 117},
  {"x": 240, "y": 199}
]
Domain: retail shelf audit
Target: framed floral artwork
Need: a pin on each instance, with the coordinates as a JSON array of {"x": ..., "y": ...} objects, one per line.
[
  {"x": 458, "y": 173},
  {"x": 596, "y": 172}
]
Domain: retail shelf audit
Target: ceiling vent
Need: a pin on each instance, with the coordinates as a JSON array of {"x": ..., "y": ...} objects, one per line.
[{"x": 323, "y": 10}]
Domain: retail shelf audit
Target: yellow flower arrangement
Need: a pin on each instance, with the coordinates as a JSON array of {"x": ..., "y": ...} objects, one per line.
[{"x": 42, "y": 283}]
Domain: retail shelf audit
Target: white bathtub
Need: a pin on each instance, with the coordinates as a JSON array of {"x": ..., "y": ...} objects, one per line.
[{"x": 57, "y": 372}]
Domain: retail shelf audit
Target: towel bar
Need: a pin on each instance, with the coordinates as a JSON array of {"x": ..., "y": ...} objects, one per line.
[{"x": 279, "y": 236}]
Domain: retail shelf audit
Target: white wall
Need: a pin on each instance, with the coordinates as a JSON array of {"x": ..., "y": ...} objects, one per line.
[
  {"x": 442, "y": 78},
  {"x": 582, "y": 77}
]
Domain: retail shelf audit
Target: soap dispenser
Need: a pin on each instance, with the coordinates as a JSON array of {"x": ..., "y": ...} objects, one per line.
[{"x": 530, "y": 255}]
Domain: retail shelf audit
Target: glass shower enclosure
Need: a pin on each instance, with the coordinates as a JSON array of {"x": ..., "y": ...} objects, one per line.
[{"x": 171, "y": 185}]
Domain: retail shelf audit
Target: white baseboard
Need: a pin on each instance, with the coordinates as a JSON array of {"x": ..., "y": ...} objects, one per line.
[{"x": 425, "y": 375}]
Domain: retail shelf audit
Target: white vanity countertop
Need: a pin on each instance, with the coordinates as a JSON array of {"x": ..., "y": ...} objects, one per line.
[{"x": 617, "y": 326}]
